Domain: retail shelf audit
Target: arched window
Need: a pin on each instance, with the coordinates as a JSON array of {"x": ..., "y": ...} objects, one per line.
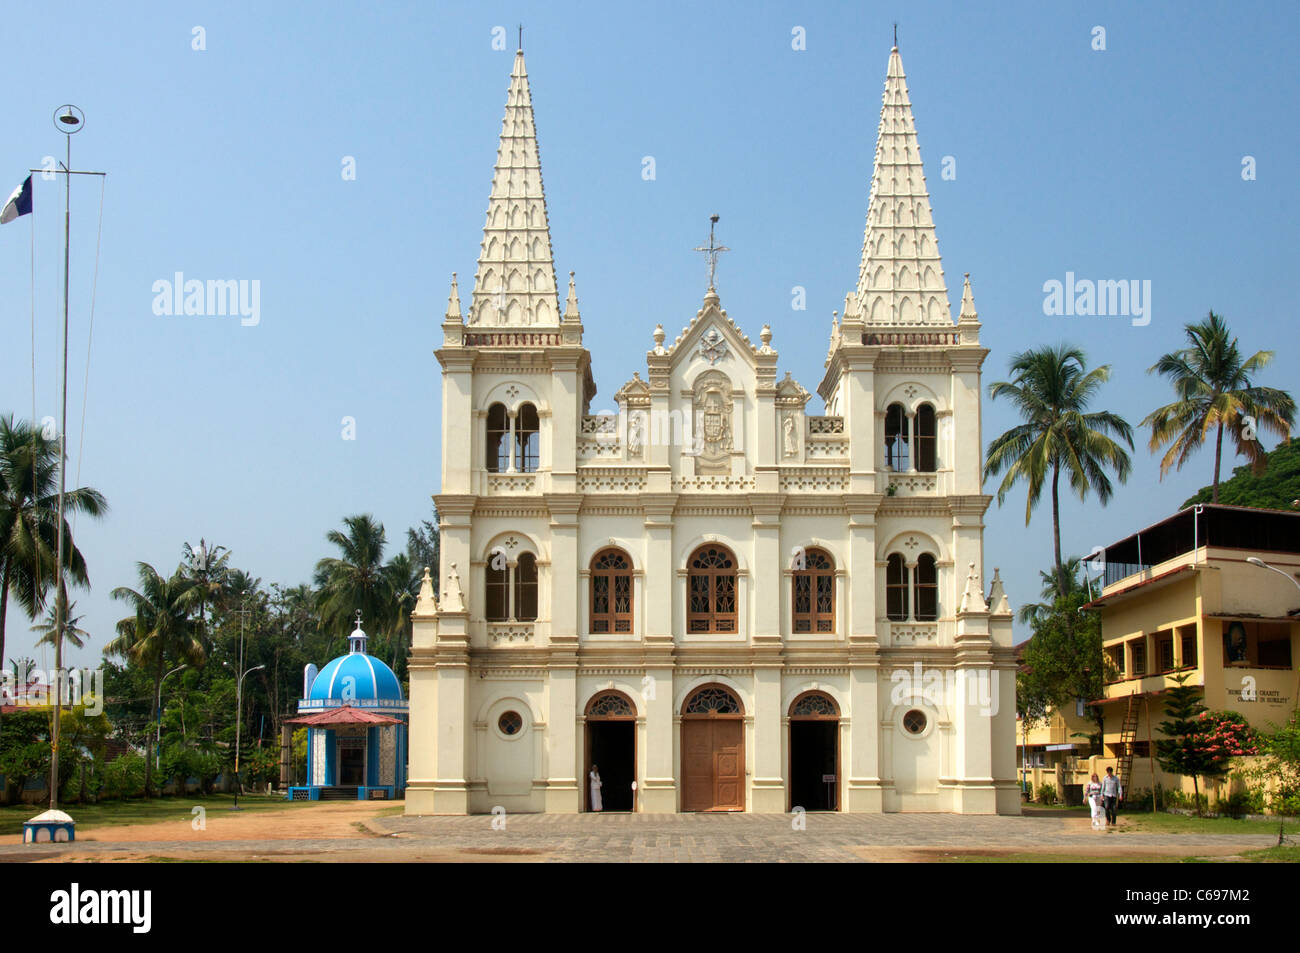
[
  {"x": 896, "y": 585},
  {"x": 497, "y": 601},
  {"x": 927, "y": 589},
  {"x": 610, "y": 705},
  {"x": 711, "y": 590},
  {"x": 814, "y": 705},
  {"x": 896, "y": 442},
  {"x": 712, "y": 700},
  {"x": 814, "y": 593},
  {"x": 498, "y": 448},
  {"x": 527, "y": 439},
  {"x": 611, "y": 592},
  {"x": 925, "y": 439},
  {"x": 526, "y": 588}
]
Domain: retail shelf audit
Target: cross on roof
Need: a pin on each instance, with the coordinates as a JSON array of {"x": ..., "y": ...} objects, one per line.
[{"x": 712, "y": 250}]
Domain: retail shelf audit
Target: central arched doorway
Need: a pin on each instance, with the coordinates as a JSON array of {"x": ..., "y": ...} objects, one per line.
[
  {"x": 611, "y": 746},
  {"x": 713, "y": 751},
  {"x": 814, "y": 752}
]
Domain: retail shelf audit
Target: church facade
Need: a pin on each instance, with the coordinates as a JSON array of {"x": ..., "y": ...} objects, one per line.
[{"x": 727, "y": 598}]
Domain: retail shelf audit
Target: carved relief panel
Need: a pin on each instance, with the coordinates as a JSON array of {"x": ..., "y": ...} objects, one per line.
[{"x": 713, "y": 426}]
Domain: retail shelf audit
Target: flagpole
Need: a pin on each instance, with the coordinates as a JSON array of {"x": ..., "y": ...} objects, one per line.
[
  {"x": 72, "y": 124},
  {"x": 54, "y": 824}
]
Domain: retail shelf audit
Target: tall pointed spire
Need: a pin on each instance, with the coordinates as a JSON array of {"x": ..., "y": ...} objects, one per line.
[
  {"x": 900, "y": 280},
  {"x": 515, "y": 282},
  {"x": 453, "y": 301}
]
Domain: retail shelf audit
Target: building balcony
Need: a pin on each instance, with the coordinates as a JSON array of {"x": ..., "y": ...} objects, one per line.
[
  {"x": 511, "y": 484},
  {"x": 913, "y": 483},
  {"x": 505, "y": 634}
]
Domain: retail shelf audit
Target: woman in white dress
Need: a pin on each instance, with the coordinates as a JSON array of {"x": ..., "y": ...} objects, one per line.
[
  {"x": 594, "y": 776},
  {"x": 1093, "y": 793}
]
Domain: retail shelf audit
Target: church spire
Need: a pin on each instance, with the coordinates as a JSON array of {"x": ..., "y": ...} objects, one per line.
[
  {"x": 453, "y": 301},
  {"x": 515, "y": 282},
  {"x": 900, "y": 280}
]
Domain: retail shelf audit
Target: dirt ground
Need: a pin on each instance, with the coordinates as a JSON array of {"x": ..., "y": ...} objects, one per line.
[{"x": 360, "y": 839}]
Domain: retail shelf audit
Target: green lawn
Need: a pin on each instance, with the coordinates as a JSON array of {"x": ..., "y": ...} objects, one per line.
[
  {"x": 1032, "y": 857},
  {"x": 139, "y": 811},
  {"x": 1179, "y": 824},
  {"x": 1286, "y": 854}
]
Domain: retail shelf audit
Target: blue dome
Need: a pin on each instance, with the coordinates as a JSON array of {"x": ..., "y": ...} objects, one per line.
[{"x": 372, "y": 680}]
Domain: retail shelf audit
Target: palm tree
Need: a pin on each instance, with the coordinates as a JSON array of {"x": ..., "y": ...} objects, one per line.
[
  {"x": 207, "y": 566},
  {"x": 1214, "y": 390},
  {"x": 357, "y": 579},
  {"x": 72, "y": 632},
  {"x": 29, "y": 492},
  {"x": 1052, "y": 387},
  {"x": 239, "y": 589},
  {"x": 405, "y": 578},
  {"x": 160, "y": 630},
  {"x": 1031, "y": 611}
]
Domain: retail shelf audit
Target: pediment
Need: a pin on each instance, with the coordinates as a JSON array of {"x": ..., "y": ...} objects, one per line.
[
  {"x": 635, "y": 392},
  {"x": 712, "y": 336},
  {"x": 789, "y": 392}
]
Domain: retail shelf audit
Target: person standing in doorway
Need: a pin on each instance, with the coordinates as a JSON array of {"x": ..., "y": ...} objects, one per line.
[
  {"x": 1111, "y": 793},
  {"x": 1092, "y": 793},
  {"x": 594, "y": 777}
]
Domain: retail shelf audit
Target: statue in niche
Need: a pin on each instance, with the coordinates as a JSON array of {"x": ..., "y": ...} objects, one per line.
[
  {"x": 791, "y": 438},
  {"x": 635, "y": 435}
]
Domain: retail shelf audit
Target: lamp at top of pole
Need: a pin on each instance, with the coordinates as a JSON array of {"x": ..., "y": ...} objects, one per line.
[{"x": 69, "y": 119}]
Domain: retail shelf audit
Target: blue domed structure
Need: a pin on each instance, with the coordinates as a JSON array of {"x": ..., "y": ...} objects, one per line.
[
  {"x": 361, "y": 677},
  {"x": 356, "y": 716}
]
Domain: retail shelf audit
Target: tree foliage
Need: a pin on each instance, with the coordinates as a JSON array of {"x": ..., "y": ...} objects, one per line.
[
  {"x": 1216, "y": 391},
  {"x": 1277, "y": 487},
  {"x": 1062, "y": 662},
  {"x": 1052, "y": 388}
]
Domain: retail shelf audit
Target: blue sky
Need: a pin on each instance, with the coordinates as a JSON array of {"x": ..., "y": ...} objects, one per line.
[{"x": 225, "y": 163}]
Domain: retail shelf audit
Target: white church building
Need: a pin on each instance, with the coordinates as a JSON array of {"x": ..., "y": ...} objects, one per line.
[{"x": 725, "y": 597}]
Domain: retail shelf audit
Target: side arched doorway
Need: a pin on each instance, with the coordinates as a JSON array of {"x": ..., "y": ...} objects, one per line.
[
  {"x": 611, "y": 746},
  {"x": 814, "y": 753},
  {"x": 713, "y": 751}
]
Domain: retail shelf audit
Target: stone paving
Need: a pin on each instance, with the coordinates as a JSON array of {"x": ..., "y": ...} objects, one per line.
[{"x": 671, "y": 837}]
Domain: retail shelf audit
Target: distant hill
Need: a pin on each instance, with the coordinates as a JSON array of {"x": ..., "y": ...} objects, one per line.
[{"x": 1274, "y": 489}]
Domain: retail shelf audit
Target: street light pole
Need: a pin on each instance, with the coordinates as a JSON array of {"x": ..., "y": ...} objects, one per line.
[
  {"x": 239, "y": 715},
  {"x": 157, "y": 763},
  {"x": 1256, "y": 561}
]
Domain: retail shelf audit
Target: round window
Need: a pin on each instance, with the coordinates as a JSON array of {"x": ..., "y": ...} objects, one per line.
[
  {"x": 510, "y": 723},
  {"x": 915, "y": 721}
]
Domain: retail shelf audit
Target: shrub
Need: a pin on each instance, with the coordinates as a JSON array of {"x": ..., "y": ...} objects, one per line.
[
  {"x": 259, "y": 766},
  {"x": 1286, "y": 804},
  {"x": 1137, "y": 800},
  {"x": 123, "y": 777},
  {"x": 1046, "y": 794},
  {"x": 1240, "y": 803},
  {"x": 1183, "y": 801}
]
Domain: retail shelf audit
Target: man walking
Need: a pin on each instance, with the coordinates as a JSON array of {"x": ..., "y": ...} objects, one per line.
[{"x": 1111, "y": 792}]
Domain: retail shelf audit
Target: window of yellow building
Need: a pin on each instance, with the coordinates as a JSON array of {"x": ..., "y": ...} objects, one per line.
[
  {"x": 1187, "y": 634},
  {"x": 1138, "y": 649}
]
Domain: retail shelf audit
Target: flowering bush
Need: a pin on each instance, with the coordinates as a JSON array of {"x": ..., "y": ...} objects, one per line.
[{"x": 1216, "y": 738}]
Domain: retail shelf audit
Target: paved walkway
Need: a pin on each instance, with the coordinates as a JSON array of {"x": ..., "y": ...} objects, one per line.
[{"x": 670, "y": 837}]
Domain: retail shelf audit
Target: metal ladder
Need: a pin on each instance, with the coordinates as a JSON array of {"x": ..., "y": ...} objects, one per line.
[{"x": 1127, "y": 737}]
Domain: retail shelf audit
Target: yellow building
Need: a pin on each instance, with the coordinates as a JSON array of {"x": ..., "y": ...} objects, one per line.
[
  {"x": 1212, "y": 591},
  {"x": 1056, "y": 750}
]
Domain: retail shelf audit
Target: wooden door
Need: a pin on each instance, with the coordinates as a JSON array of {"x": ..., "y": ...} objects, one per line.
[
  {"x": 728, "y": 765},
  {"x": 713, "y": 764},
  {"x": 697, "y": 765}
]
